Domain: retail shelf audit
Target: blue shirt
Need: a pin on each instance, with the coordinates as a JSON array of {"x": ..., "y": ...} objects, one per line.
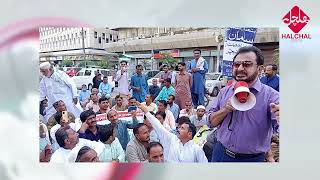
[
  {"x": 105, "y": 89},
  {"x": 83, "y": 95},
  {"x": 89, "y": 135},
  {"x": 139, "y": 81},
  {"x": 175, "y": 110},
  {"x": 154, "y": 91},
  {"x": 272, "y": 81},
  {"x": 165, "y": 93},
  {"x": 122, "y": 131},
  {"x": 198, "y": 78},
  {"x": 43, "y": 142}
]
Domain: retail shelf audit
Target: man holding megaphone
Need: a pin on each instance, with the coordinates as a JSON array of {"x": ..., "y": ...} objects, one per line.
[{"x": 242, "y": 112}]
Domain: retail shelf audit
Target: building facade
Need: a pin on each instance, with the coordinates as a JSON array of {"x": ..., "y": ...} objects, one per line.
[
  {"x": 74, "y": 43},
  {"x": 144, "y": 45},
  {"x": 180, "y": 42}
]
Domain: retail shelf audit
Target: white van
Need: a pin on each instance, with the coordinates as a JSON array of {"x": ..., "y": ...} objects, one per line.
[{"x": 85, "y": 76}]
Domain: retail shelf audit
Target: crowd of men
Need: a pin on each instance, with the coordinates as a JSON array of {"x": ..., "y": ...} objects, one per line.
[{"x": 163, "y": 120}]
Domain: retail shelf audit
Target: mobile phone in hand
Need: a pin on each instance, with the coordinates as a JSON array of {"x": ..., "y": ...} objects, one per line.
[
  {"x": 132, "y": 108},
  {"x": 65, "y": 117}
]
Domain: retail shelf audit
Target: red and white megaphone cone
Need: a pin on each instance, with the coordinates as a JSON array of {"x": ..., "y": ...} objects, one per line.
[{"x": 242, "y": 99}]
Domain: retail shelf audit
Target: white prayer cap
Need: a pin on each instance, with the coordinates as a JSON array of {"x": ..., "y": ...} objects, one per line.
[
  {"x": 201, "y": 107},
  {"x": 45, "y": 65}
]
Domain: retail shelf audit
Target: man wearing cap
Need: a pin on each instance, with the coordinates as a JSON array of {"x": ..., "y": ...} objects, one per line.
[
  {"x": 244, "y": 136},
  {"x": 57, "y": 85},
  {"x": 200, "y": 119}
]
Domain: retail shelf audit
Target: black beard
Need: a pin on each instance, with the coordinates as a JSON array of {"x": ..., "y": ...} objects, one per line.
[
  {"x": 249, "y": 79},
  {"x": 269, "y": 75}
]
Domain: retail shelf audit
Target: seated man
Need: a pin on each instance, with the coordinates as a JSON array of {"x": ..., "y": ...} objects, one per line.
[
  {"x": 150, "y": 105},
  {"x": 89, "y": 128},
  {"x": 136, "y": 149},
  {"x": 169, "y": 122},
  {"x": 120, "y": 106},
  {"x": 95, "y": 91},
  {"x": 181, "y": 148},
  {"x": 86, "y": 154},
  {"x": 104, "y": 105},
  {"x": 121, "y": 127},
  {"x": 61, "y": 123},
  {"x": 132, "y": 101},
  {"x": 180, "y": 121},
  {"x": 70, "y": 144},
  {"x": 44, "y": 143},
  {"x": 88, "y": 99},
  {"x": 173, "y": 107},
  {"x": 200, "y": 119},
  {"x": 112, "y": 148},
  {"x": 59, "y": 107},
  {"x": 154, "y": 89},
  {"x": 166, "y": 91},
  {"x": 155, "y": 152},
  {"x": 84, "y": 94},
  {"x": 188, "y": 111},
  {"x": 94, "y": 103},
  {"x": 105, "y": 88}
]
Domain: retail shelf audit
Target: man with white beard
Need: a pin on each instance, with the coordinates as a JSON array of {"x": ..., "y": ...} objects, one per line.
[{"x": 57, "y": 85}]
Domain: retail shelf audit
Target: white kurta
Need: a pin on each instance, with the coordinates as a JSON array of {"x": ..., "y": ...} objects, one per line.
[
  {"x": 174, "y": 150},
  {"x": 169, "y": 122},
  {"x": 53, "y": 130},
  {"x": 123, "y": 83},
  {"x": 112, "y": 151},
  {"x": 62, "y": 155},
  {"x": 59, "y": 86}
]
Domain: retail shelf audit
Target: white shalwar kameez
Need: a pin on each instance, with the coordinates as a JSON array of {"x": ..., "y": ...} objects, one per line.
[
  {"x": 174, "y": 150},
  {"x": 63, "y": 155},
  {"x": 59, "y": 86}
]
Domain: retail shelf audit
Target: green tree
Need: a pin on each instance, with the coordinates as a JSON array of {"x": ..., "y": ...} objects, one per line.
[
  {"x": 103, "y": 63},
  {"x": 107, "y": 63},
  {"x": 166, "y": 58},
  {"x": 67, "y": 62}
]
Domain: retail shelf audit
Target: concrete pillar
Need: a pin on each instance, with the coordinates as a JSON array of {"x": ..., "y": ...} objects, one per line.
[{"x": 211, "y": 64}]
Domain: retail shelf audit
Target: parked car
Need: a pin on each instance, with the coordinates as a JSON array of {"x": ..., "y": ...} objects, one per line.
[
  {"x": 151, "y": 73},
  {"x": 85, "y": 76},
  {"x": 157, "y": 76},
  {"x": 214, "y": 82},
  {"x": 71, "y": 71}
]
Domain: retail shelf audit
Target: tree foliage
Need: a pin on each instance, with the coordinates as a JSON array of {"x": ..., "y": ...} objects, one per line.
[
  {"x": 166, "y": 58},
  {"x": 67, "y": 62},
  {"x": 107, "y": 63}
]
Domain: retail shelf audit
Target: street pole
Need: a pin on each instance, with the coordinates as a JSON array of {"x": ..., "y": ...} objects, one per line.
[
  {"x": 152, "y": 53},
  {"x": 83, "y": 47},
  {"x": 218, "y": 55}
]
